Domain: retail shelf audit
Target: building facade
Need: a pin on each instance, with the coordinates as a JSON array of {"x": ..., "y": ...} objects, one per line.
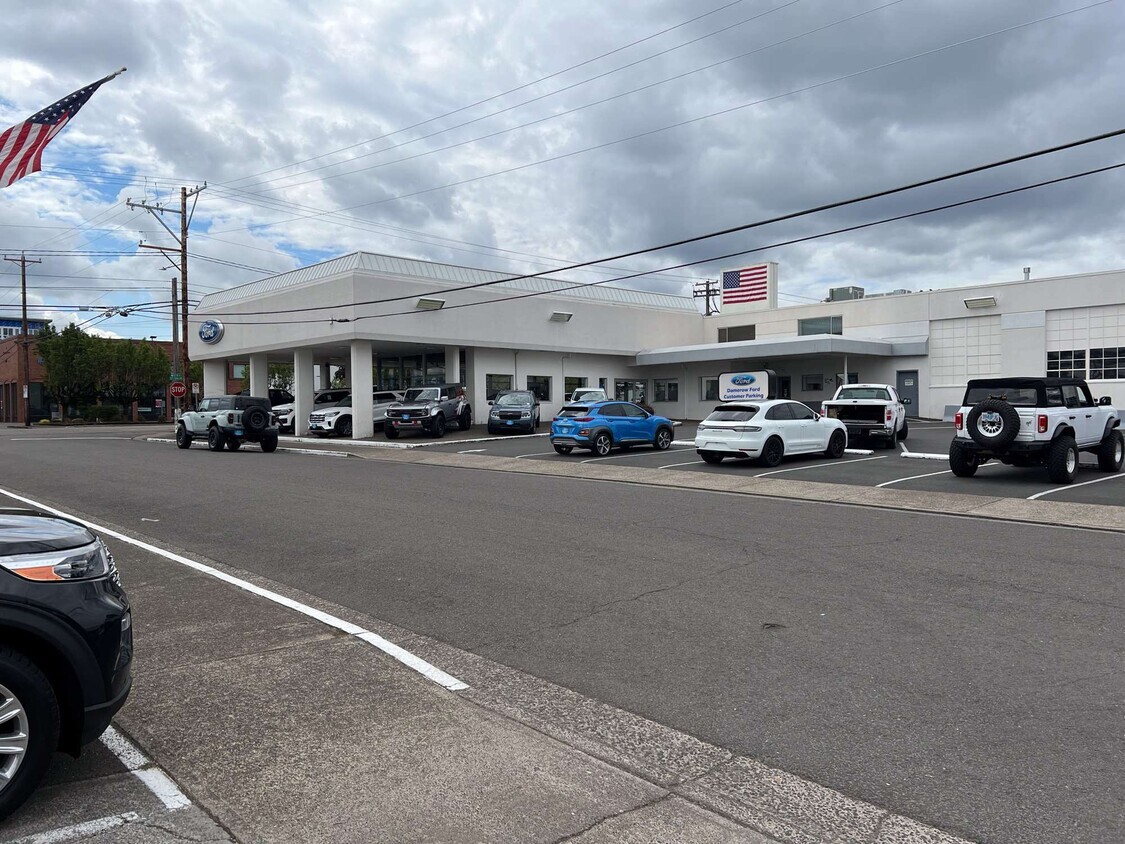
[{"x": 396, "y": 322}]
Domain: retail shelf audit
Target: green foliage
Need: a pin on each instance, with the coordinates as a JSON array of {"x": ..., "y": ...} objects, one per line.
[
  {"x": 102, "y": 413},
  {"x": 130, "y": 370},
  {"x": 70, "y": 365}
]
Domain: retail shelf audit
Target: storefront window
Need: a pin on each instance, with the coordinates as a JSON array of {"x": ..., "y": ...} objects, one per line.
[
  {"x": 667, "y": 389},
  {"x": 390, "y": 376},
  {"x": 435, "y": 368},
  {"x": 708, "y": 389},
  {"x": 493, "y": 384},
  {"x": 412, "y": 374},
  {"x": 540, "y": 385},
  {"x": 627, "y": 390},
  {"x": 572, "y": 383}
]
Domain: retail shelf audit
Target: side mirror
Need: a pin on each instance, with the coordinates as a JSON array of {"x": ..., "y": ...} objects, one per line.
[
  {"x": 907, "y": 401},
  {"x": 490, "y": 402},
  {"x": 1105, "y": 400}
]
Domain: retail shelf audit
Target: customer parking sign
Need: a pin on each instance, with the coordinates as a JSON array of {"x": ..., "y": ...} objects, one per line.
[{"x": 746, "y": 386}]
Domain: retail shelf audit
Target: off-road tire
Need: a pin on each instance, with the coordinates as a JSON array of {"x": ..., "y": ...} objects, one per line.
[
  {"x": 269, "y": 443},
  {"x": 772, "y": 452},
  {"x": 233, "y": 444},
  {"x": 1111, "y": 452},
  {"x": 564, "y": 449},
  {"x": 465, "y": 419},
  {"x": 962, "y": 463},
  {"x": 216, "y": 439},
  {"x": 1009, "y": 424},
  {"x": 836, "y": 445},
  {"x": 30, "y": 686},
  {"x": 905, "y": 432},
  {"x": 437, "y": 427},
  {"x": 183, "y": 438},
  {"x": 390, "y": 431},
  {"x": 255, "y": 419},
  {"x": 1062, "y": 460},
  {"x": 712, "y": 457}
]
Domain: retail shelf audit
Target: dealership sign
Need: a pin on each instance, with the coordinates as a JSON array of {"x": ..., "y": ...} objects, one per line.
[
  {"x": 211, "y": 331},
  {"x": 746, "y": 386}
]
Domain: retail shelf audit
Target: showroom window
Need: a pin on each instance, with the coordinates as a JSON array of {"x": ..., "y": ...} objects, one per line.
[
  {"x": 572, "y": 383},
  {"x": 812, "y": 383},
  {"x": 493, "y": 384},
  {"x": 540, "y": 385},
  {"x": 667, "y": 389},
  {"x": 1107, "y": 363},
  {"x": 238, "y": 370},
  {"x": 629, "y": 390},
  {"x": 821, "y": 325},
  {"x": 1067, "y": 364},
  {"x": 734, "y": 333},
  {"x": 708, "y": 389}
]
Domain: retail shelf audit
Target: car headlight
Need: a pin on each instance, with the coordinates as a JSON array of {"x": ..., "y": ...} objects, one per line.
[
  {"x": 84, "y": 563},
  {"x": 434, "y": 411},
  {"x": 494, "y": 413},
  {"x": 525, "y": 415}
]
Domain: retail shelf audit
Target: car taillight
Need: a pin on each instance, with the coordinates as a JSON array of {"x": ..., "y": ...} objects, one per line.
[
  {"x": 958, "y": 420},
  {"x": 1042, "y": 423},
  {"x": 890, "y": 414},
  {"x": 230, "y": 418},
  {"x": 584, "y": 419}
]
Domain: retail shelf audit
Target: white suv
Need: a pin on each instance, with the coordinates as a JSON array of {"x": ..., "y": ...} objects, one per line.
[
  {"x": 1035, "y": 422},
  {"x": 229, "y": 421}
]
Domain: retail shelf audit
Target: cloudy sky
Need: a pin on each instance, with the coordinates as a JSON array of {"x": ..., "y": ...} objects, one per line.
[{"x": 520, "y": 136}]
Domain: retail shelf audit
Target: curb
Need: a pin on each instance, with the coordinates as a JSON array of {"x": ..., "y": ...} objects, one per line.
[{"x": 320, "y": 452}]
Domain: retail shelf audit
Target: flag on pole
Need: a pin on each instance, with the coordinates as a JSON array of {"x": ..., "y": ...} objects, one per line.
[
  {"x": 21, "y": 146},
  {"x": 746, "y": 285}
]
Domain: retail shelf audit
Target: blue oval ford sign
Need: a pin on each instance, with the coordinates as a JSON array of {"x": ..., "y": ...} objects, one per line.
[
  {"x": 211, "y": 331},
  {"x": 743, "y": 380}
]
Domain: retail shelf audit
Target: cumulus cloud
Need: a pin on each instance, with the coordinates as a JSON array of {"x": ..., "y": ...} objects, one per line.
[{"x": 257, "y": 98}]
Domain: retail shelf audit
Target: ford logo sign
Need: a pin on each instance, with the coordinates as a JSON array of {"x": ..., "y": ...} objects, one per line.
[
  {"x": 743, "y": 380},
  {"x": 211, "y": 331}
]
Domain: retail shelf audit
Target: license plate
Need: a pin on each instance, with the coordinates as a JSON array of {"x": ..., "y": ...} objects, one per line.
[
  {"x": 509, "y": 421},
  {"x": 238, "y": 432},
  {"x": 406, "y": 416}
]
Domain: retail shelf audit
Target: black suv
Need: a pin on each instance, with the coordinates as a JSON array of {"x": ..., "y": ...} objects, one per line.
[
  {"x": 514, "y": 410},
  {"x": 66, "y": 645}
]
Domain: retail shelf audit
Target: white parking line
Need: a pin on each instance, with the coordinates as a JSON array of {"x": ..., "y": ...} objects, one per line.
[
  {"x": 689, "y": 463},
  {"x": 537, "y": 454},
  {"x": 405, "y": 657},
  {"x": 78, "y": 830},
  {"x": 819, "y": 466},
  {"x": 927, "y": 475},
  {"x": 1065, "y": 487},
  {"x": 144, "y": 769},
  {"x": 629, "y": 454},
  {"x": 71, "y": 438},
  {"x": 472, "y": 451}
]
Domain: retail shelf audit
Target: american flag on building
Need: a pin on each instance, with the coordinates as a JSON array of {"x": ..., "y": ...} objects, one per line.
[
  {"x": 21, "y": 146},
  {"x": 749, "y": 284}
]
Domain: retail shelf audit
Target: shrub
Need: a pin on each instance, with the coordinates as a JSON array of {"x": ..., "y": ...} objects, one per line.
[{"x": 102, "y": 413}]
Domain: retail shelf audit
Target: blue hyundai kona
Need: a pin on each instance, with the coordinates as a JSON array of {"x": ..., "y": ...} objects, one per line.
[{"x": 604, "y": 425}]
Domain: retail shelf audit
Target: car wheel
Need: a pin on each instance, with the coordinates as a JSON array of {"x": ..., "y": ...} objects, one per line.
[
  {"x": 993, "y": 423},
  {"x": 891, "y": 441},
  {"x": 772, "y": 452},
  {"x": 663, "y": 440},
  {"x": 491, "y": 431},
  {"x": 269, "y": 444},
  {"x": 391, "y": 432},
  {"x": 905, "y": 432},
  {"x": 564, "y": 449},
  {"x": 344, "y": 427},
  {"x": 1111, "y": 453},
  {"x": 962, "y": 463},
  {"x": 233, "y": 444},
  {"x": 183, "y": 438},
  {"x": 29, "y": 728},
  {"x": 437, "y": 427},
  {"x": 712, "y": 457},
  {"x": 602, "y": 445},
  {"x": 215, "y": 438},
  {"x": 836, "y": 445},
  {"x": 1062, "y": 460},
  {"x": 465, "y": 420}
]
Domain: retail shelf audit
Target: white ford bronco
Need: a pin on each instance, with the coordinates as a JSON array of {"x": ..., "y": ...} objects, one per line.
[
  {"x": 1035, "y": 422},
  {"x": 229, "y": 421}
]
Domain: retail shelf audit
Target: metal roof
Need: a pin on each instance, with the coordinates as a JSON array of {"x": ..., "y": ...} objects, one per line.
[{"x": 444, "y": 273}]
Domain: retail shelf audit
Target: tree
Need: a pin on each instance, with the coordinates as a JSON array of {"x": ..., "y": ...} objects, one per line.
[
  {"x": 70, "y": 363},
  {"x": 279, "y": 377},
  {"x": 130, "y": 370}
]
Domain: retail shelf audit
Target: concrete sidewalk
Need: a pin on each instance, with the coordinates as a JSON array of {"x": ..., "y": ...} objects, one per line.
[{"x": 287, "y": 730}]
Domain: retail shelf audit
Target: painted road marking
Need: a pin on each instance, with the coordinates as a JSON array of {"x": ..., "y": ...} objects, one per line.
[
  {"x": 630, "y": 454},
  {"x": 320, "y": 452},
  {"x": 689, "y": 463},
  {"x": 78, "y": 830},
  {"x": 73, "y": 438},
  {"x": 927, "y": 475},
  {"x": 537, "y": 454},
  {"x": 1065, "y": 487},
  {"x": 405, "y": 657},
  {"x": 144, "y": 769},
  {"x": 820, "y": 466},
  {"x": 472, "y": 451}
]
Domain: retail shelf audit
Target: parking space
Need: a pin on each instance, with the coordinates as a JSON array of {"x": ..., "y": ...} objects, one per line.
[{"x": 877, "y": 467}]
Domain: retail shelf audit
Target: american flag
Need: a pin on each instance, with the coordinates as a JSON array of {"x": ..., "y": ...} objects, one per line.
[
  {"x": 745, "y": 285},
  {"x": 21, "y": 147}
]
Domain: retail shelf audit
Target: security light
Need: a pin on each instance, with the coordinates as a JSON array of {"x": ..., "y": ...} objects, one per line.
[
  {"x": 427, "y": 304},
  {"x": 561, "y": 316},
  {"x": 981, "y": 302}
]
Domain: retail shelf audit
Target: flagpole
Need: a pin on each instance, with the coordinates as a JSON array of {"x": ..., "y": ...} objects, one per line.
[{"x": 113, "y": 75}]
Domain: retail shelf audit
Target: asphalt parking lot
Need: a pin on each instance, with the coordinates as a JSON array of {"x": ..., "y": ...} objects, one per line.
[{"x": 876, "y": 467}]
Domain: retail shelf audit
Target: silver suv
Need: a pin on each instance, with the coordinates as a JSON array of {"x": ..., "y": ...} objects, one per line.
[
  {"x": 429, "y": 409},
  {"x": 229, "y": 421},
  {"x": 1035, "y": 422}
]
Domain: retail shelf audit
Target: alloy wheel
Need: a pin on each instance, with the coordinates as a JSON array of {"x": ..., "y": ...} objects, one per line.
[{"x": 13, "y": 735}]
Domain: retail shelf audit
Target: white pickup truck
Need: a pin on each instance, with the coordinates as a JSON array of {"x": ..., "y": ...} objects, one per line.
[{"x": 874, "y": 411}]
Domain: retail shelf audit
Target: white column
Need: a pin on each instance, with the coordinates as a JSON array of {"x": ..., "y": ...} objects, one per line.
[
  {"x": 302, "y": 390},
  {"x": 259, "y": 375},
  {"x": 214, "y": 377},
  {"x": 452, "y": 364},
  {"x": 363, "y": 411}
]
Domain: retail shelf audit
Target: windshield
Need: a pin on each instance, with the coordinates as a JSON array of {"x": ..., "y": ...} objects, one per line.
[
  {"x": 877, "y": 393},
  {"x": 418, "y": 394},
  {"x": 733, "y": 414},
  {"x": 514, "y": 400},
  {"x": 344, "y": 402},
  {"x": 1018, "y": 396}
]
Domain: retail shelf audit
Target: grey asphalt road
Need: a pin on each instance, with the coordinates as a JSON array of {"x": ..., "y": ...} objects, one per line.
[{"x": 965, "y": 673}]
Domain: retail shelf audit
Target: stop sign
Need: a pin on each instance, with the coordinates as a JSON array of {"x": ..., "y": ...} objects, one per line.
[{"x": 178, "y": 389}]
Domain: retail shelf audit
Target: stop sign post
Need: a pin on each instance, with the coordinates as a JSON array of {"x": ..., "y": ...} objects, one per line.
[{"x": 178, "y": 389}]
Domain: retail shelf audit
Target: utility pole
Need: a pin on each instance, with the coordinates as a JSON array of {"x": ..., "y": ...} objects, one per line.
[
  {"x": 180, "y": 262},
  {"x": 707, "y": 293},
  {"x": 176, "y": 358},
  {"x": 26, "y": 342}
]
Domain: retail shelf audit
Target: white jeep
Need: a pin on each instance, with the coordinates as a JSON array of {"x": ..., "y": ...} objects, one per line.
[
  {"x": 229, "y": 421},
  {"x": 1035, "y": 422}
]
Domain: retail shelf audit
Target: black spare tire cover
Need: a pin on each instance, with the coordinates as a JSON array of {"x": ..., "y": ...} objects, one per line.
[
  {"x": 255, "y": 419},
  {"x": 993, "y": 423}
]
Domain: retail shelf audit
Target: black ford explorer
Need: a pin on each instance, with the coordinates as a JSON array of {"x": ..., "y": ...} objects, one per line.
[{"x": 66, "y": 645}]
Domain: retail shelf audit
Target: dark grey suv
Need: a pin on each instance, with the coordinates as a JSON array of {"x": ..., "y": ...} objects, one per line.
[{"x": 431, "y": 410}]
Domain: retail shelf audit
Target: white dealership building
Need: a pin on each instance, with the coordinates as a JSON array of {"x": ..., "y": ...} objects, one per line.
[{"x": 397, "y": 322}]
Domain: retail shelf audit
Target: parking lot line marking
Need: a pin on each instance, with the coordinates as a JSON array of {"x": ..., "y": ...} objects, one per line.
[
  {"x": 537, "y": 454},
  {"x": 1065, "y": 487},
  {"x": 927, "y": 475},
  {"x": 144, "y": 769},
  {"x": 72, "y": 438},
  {"x": 472, "y": 451},
  {"x": 819, "y": 466},
  {"x": 630, "y": 454},
  {"x": 433, "y": 673},
  {"x": 689, "y": 463},
  {"x": 78, "y": 830}
]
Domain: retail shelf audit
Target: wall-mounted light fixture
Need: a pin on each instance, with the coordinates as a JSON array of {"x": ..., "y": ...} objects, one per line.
[
  {"x": 980, "y": 302},
  {"x": 561, "y": 316},
  {"x": 425, "y": 303}
]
